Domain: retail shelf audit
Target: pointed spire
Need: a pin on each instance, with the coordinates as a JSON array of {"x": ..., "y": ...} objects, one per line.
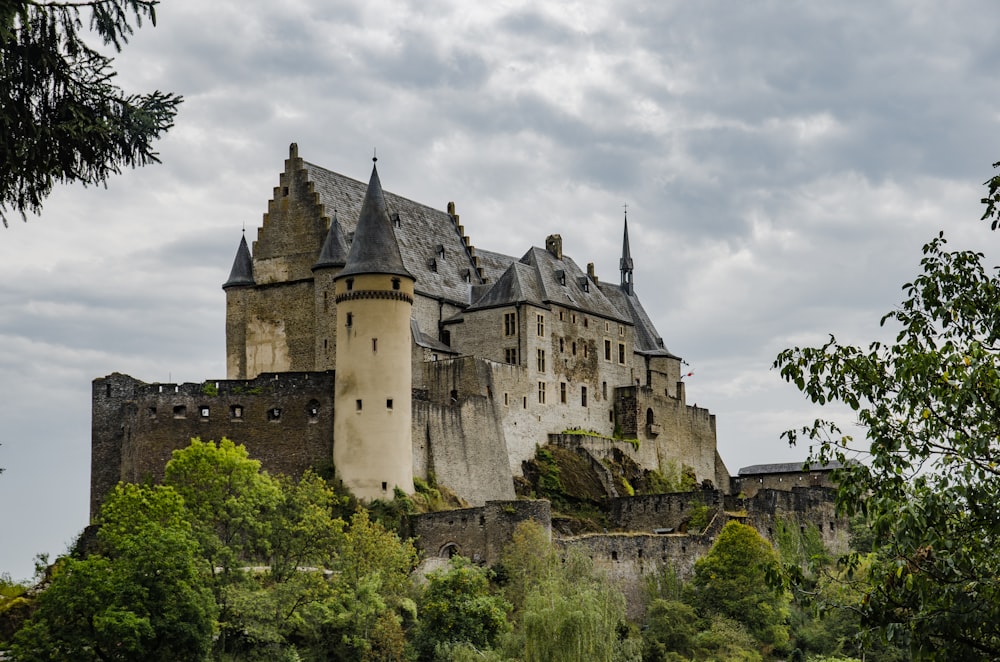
[
  {"x": 626, "y": 261},
  {"x": 242, "y": 271},
  {"x": 374, "y": 249},
  {"x": 334, "y": 253}
]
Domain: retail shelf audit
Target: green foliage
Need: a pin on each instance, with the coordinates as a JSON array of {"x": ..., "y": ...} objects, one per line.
[
  {"x": 733, "y": 580},
  {"x": 62, "y": 119},
  {"x": 229, "y": 501},
  {"x": 142, "y": 599},
  {"x": 567, "y": 611},
  {"x": 209, "y": 389},
  {"x": 671, "y": 627},
  {"x": 928, "y": 402},
  {"x": 699, "y": 519},
  {"x": 458, "y": 607}
]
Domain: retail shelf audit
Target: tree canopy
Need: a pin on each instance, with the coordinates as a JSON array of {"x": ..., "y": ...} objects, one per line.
[
  {"x": 926, "y": 474},
  {"x": 62, "y": 118}
]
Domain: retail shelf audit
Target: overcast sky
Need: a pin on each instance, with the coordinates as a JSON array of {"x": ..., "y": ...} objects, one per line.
[{"x": 782, "y": 162}]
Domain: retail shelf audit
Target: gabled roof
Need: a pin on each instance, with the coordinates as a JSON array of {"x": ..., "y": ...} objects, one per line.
[
  {"x": 516, "y": 285},
  {"x": 420, "y": 231},
  {"x": 242, "y": 271},
  {"x": 374, "y": 249},
  {"x": 334, "y": 253},
  {"x": 563, "y": 283}
]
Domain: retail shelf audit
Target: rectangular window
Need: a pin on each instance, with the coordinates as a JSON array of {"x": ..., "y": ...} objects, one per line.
[
  {"x": 562, "y": 392},
  {"x": 583, "y": 396},
  {"x": 374, "y": 345},
  {"x": 509, "y": 324},
  {"x": 541, "y": 393},
  {"x": 541, "y": 325},
  {"x": 604, "y": 390},
  {"x": 357, "y": 405},
  {"x": 541, "y": 360},
  {"x": 388, "y": 403},
  {"x": 510, "y": 355},
  {"x": 562, "y": 347},
  {"x": 506, "y": 399},
  {"x": 561, "y": 315},
  {"x": 572, "y": 318},
  {"x": 621, "y": 353},
  {"x": 607, "y": 350},
  {"x": 350, "y": 319},
  {"x": 621, "y": 330}
]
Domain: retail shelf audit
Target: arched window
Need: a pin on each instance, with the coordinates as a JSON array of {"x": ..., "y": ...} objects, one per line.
[{"x": 649, "y": 417}]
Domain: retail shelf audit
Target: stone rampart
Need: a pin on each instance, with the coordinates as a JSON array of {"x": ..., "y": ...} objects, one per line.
[
  {"x": 476, "y": 533},
  {"x": 285, "y": 420}
]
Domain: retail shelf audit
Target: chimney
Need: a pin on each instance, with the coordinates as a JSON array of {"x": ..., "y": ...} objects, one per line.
[
  {"x": 590, "y": 272},
  {"x": 553, "y": 244}
]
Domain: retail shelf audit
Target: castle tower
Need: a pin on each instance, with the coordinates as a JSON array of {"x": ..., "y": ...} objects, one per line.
[
  {"x": 372, "y": 446},
  {"x": 332, "y": 258},
  {"x": 238, "y": 289}
]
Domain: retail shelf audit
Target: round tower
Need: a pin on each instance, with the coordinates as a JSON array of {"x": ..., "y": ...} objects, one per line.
[{"x": 372, "y": 446}]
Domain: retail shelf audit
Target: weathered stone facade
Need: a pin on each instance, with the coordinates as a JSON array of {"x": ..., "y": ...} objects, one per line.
[
  {"x": 285, "y": 420},
  {"x": 501, "y": 351}
]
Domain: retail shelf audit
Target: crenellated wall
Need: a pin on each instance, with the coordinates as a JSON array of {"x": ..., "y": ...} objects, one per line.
[{"x": 285, "y": 420}]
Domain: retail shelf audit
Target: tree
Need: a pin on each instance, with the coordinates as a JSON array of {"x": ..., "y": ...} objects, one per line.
[
  {"x": 61, "y": 117},
  {"x": 733, "y": 580},
  {"x": 141, "y": 598},
  {"x": 458, "y": 607},
  {"x": 926, "y": 474}
]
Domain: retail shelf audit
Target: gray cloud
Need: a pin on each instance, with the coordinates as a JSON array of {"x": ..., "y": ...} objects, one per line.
[{"x": 782, "y": 165}]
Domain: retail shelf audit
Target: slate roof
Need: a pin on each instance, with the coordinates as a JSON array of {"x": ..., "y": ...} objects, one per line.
[
  {"x": 647, "y": 340},
  {"x": 424, "y": 340},
  {"x": 787, "y": 468},
  {"x": 542, "y": 279},
  {"x": 374, "y": 249},
  {"x": 334, "y": 253},
  {"x": 242, "y": 271},
  {"x": 419, "y": 233}
]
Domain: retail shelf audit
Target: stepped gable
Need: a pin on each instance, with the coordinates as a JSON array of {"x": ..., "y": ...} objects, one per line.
[
  {"x": 421, "y": 232},
  {"x": 242, "y": 271},
  {"x": 494, "y": 264}
]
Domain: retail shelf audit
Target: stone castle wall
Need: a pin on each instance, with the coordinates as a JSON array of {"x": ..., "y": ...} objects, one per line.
[
  {"x": 284, "y": 420},
  {"x": 476, "y": 533}
]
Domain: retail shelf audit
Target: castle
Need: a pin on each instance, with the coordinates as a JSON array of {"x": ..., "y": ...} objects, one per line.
[{"x": 367, "y": 330}]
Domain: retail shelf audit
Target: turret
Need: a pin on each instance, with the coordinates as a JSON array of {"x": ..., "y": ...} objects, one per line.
[
  {"x": 332, "y": 259},
  {"x": 372, "y": 447},
  {"x": 238, "y": 290}
]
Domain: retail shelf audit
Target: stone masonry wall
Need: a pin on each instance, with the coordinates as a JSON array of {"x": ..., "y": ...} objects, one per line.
[
  {"x": 284, "y": 420},
  {"x": 476, "y": 533}
]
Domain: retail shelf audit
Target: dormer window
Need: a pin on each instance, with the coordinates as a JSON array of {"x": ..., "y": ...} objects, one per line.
[
  {"x": 350, "y": 284},
  {"x": 467, "y": 275},
  {"x": 395, "y": 283},
  {"x": 433, "y": 265},
  {"x": 584, "y": 283},
  {"x": 395, "y": 220},
  {"x": 561, "y": 277},
  {"x": 440, "y": 251}
]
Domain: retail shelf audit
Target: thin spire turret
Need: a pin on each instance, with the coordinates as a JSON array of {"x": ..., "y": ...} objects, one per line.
[{"x": 625, "y": 264}]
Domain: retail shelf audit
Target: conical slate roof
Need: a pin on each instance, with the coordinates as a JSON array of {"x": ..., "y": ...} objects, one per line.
[
  {"x": 242, "y": 272},
  {"x": 374, "y": 249},
  {"x": 334, "y": 253}
]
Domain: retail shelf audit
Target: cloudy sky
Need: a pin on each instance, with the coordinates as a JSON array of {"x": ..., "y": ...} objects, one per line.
[{"x": 782, "y": 163}]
